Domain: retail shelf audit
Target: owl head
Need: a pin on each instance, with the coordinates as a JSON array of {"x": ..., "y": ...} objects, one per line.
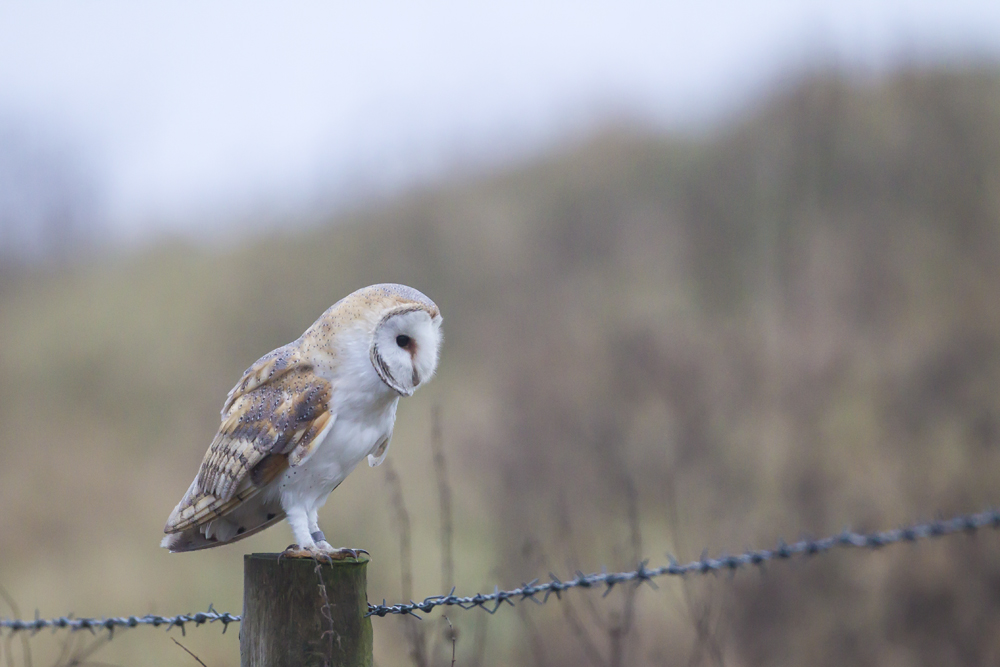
[
  {"x": 390, "y": 329},
  {"x": 383, "y": 335}
]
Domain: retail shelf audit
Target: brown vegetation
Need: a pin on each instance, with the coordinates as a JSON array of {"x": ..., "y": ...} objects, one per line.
[{"x": 787, "y": 327}]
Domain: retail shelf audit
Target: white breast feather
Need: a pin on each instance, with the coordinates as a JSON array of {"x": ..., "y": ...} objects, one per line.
[{"x": 365, "y": 413}]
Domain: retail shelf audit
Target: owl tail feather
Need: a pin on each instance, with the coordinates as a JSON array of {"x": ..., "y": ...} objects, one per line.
[{"x": 242, "y": 522}]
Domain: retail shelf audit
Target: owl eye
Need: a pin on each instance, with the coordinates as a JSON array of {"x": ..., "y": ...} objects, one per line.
[{"x": 402, "y": 340}]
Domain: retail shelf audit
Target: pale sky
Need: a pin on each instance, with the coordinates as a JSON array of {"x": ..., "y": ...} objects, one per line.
[{"x": 195, "y": 111}]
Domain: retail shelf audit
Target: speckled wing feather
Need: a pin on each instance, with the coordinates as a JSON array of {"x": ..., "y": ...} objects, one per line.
[
  {"x": 272, "y": 418},
  {"x": 268, "y": 368}
]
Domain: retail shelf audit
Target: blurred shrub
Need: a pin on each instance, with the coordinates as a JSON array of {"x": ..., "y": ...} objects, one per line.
[{"x": 785, "y": 327}]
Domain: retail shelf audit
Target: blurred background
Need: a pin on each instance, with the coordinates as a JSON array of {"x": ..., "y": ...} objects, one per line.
[{"x": 711, "y": 275}]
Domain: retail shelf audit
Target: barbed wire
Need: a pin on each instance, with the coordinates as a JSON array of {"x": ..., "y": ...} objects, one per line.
[
  {"x": 490, "y": 602},
  {"x": 540, "y": 592},
  {"x": 109, "y": 624}
]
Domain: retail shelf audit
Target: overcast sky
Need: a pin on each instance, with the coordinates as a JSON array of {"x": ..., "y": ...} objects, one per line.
[{"x": 189, "y": 111}]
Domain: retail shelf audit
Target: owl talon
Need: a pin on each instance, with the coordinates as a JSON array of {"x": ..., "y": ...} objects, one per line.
[
  {"x": 343, "y": 553},
  {"x": 295, "y": 551}
]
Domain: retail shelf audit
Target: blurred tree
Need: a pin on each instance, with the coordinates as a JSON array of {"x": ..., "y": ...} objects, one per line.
[{"x": 49, "y": 201}]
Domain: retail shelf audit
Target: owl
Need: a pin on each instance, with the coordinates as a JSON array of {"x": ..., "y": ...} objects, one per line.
[{"x": 303, "y": 416}]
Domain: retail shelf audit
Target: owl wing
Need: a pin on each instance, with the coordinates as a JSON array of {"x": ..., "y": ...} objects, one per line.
[
  {"x": 267, "y": 369},
  {"x": 273, "y": 418}
]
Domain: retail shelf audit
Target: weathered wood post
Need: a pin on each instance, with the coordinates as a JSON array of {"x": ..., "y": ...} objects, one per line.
[{"x": 289, "y": 622}]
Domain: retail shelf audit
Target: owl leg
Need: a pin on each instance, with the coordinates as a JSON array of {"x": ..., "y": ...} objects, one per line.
[
  {"x": 315, "y": 532},
  {"x": 324, "y": 546},
  {"x": 305, "y": 545}
]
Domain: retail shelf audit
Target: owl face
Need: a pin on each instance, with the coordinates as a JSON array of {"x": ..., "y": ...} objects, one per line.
[{"x": 405, "y": 346}]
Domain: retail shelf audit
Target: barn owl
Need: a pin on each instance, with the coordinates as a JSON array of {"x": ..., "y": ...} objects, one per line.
[{"x": 303, "y": 416}]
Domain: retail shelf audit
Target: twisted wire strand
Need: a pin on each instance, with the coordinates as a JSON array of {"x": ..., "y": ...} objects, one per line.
[
  {"x": 490, "y": 602},
  {"x": 109, "y": 624},
  {"x": 539, "y": 592}
]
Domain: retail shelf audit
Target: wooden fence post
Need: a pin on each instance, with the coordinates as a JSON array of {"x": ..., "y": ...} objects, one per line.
[{"x": 288, "y": 622}]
